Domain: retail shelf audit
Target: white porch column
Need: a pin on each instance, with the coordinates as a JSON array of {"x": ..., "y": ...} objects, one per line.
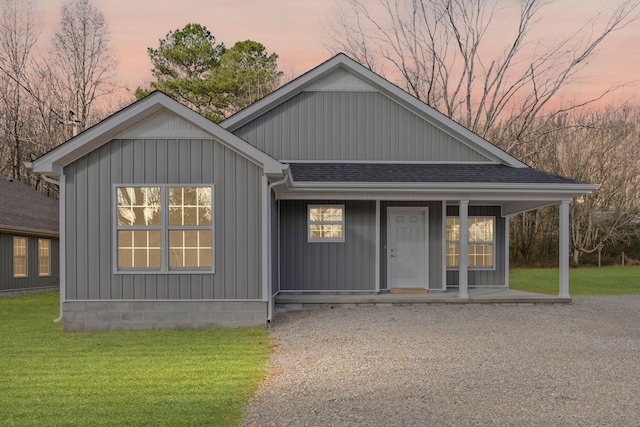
[
  {"x": 463, "y": 270},
  {"x": 507, "y": 225},
  {"x": 377, "y": 263},
  {"x": 444, "y": 246},
  {"x": 563, "y": 237}
]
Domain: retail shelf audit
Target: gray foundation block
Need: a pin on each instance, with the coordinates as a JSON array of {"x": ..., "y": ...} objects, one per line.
[{"x": 131, "y": 315}]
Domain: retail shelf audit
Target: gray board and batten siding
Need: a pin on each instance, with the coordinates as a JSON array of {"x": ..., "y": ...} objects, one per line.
[
  {"x": 10, "y": 285},
  {"x": 90, "y": 223},
  {"x": 351, "y": 126},
  {"x": 349, "y": 266},
  {"x": 328, "y": 266}
]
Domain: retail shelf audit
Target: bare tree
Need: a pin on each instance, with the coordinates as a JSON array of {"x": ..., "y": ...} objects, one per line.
[
  {"x": 604, "y": 150},
  {"x": 81, "y": 61},
  {"x": 597, "y": 146},
  {"x": 479, "y": 63},
  {"x": 443, "y": 53},
  {"x": 18, "y": 34}
]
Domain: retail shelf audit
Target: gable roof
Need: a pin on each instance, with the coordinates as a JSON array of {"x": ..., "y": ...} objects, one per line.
[
  {"x": 54, "y": 161},
  {"x": 368, "y": 79},
  {"x": 24, "y": 210}
]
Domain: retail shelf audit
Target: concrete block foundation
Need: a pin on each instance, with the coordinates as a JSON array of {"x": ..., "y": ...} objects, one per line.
[{"x": 133, "y": 315}]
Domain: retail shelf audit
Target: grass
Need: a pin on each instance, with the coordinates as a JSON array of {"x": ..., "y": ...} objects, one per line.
[
  {"x": 610, "y": 280},
  {"x": 133, "y": 378}
]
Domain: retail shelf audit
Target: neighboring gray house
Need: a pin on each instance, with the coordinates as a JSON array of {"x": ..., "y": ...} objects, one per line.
[
  {"x": 338, "y": 182},
  {"x": 29, "y": 256}
]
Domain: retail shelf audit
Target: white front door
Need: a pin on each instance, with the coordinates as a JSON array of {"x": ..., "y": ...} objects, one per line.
[{"x": 407, "y": 248}]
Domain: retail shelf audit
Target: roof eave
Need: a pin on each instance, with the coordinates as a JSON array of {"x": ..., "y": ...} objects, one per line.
[
  {"x": 28, "y": 231},
  {"x": 565, "y": 188}
]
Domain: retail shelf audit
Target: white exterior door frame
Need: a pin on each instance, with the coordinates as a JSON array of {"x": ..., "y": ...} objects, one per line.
[{"x": 421, "y": 276}]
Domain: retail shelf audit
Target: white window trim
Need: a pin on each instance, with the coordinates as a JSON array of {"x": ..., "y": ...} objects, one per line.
[
  {"x": 494, "y": 243},
  {"x": 25, "y": 257},
  {"x": 164, "y": 228},
  {"x": 326, "y": 239},
  {"x": 48, "y": 257}
]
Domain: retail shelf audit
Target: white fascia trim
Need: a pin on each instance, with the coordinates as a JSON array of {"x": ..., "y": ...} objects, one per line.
[
  {"x": 103, "y": 132},
  {"x": 437, "y": 119},
  {"x": 281, "y": 95},
  {"x": 95, "y": 136},
  {"x": 478, "y": 198},
  {"x": 576, "y": 189},
  {"x": 394, "y": 162}
]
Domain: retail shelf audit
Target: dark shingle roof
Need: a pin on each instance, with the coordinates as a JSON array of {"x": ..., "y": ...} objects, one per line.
[
  {"x": 23, "y": 208},
  {"x": 422, "y": 173}
]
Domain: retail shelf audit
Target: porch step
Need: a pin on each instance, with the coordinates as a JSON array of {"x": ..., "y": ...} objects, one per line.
[{"x": 407, "y": 291}]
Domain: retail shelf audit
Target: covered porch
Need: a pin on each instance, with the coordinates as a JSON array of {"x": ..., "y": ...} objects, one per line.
[
  {"x": 358, "y": 267},
  {"x": 294, "y": 301}
]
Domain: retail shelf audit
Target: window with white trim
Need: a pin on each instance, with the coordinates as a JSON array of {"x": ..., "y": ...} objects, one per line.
[
  {"x": 325, "y": 223},
  {"x": 44, "y": 257},
  {"x": 164, "y": 228},
  {"x": 481, "y": 243},
  {"x": 19, "y": 256},
  {"x": 190, "y": 239}
]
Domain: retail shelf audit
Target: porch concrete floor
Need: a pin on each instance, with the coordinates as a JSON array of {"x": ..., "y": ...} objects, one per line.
[{"x": 292, "y": 300}]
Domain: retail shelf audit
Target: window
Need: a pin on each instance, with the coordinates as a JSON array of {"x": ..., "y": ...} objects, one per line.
[
  {"x": 19, "y": 256},
  {"x": 190, "y": 242},
  {"x": 139, "y": 227},
  {"x": 326, "y": 223},
  {"x": 44, "y": 257},
  {"x": 164, "y": 228},
  {"x": 481, "y": 242}
]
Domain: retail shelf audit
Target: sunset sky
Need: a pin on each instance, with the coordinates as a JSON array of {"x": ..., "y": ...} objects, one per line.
[{"x": 295, "y": 30}]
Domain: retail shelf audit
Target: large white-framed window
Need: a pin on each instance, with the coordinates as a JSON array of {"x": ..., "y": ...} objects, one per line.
[
  {"x": 325, "y": 223},
  {"x": 190, "y": 232},
  {"x": 481, "y": 242},
  {"x": 44, "y": 257},
  {"x": 20, "y": 256},
  {"x": 139, "y": 227},
  {"x": 164, "y": 228}
]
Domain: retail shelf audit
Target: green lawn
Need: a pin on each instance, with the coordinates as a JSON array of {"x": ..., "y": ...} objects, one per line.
[
  {"x": 611, "y": 280},
  {"x": 158, "y": 377}
]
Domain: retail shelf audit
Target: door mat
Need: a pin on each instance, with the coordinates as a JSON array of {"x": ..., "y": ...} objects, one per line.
[{"x": 408, "y": 291}]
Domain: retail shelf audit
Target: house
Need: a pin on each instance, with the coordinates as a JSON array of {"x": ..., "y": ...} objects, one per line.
[
  {"x": 339, "y": 182},
  {"x": 29, "y": 257}
]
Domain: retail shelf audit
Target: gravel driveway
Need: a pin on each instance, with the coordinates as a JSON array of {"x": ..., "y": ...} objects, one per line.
[{"x": 455, "y": 365}]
